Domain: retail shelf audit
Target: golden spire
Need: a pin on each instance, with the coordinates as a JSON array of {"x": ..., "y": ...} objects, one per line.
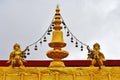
[
  {"x": 57, "y": 27},
  {"x": 57, "y": 43}
]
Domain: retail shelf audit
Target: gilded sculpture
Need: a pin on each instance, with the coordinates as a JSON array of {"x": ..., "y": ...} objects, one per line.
[
  {"x": 17, "y": 56},
  {"x": 96, "y": 55}
]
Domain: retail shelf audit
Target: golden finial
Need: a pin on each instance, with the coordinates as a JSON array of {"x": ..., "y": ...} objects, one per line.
[
  {"x": 57, "y": 8},
  {"x": 57, "y": 20},
  {"x": 57, "y": 43}
]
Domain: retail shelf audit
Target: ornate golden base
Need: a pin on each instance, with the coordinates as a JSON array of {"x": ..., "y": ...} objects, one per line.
[
  {"x": 57, "y": 56},
  {"x": 57, "y": 63}
]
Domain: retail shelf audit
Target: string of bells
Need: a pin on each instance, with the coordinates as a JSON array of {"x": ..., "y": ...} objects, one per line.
[
  {"x": 69, "y": 34},
  {"x": 73, "y": 39}
]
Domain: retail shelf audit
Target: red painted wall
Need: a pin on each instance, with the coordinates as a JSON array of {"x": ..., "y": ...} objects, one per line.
[{"x": 68, "y": 63}]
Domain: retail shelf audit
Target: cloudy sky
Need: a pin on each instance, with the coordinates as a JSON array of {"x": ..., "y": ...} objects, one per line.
[{"x": 91, "y": 21}]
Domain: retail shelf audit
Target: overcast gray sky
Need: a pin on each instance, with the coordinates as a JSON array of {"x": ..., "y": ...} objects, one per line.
[{"x": 91, "y": 21}]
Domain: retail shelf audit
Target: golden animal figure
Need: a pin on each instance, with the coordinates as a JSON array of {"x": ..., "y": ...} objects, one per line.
[
  {"x": 96, "y": 55},
  {"x": 17, "y": 56}
]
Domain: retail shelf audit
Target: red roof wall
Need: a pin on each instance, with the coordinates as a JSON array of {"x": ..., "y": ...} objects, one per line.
[{"x": 68, "y": 63}]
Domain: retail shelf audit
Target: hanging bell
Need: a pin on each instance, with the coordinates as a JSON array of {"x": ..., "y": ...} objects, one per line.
[
  {"x": 44, "y": 39},
  {"x": 40, "y": 42},
  {"x": 68, "y": 33},
  {"x": 24, "y": 56},
  {"x": 50, "y": 30},
  {"x": 50, "y": 27},
  {"x": 76, "y": 42},
  {"x": 35, "y": 47},
  {"x": 65, "y": 27},
  {"x": 72, "y": 39},
  {"x": 28, "y": 49},
  {"x": 28, "y": 53},
  {"x": 48, "y": 33},
  {"x": 81, "y": 47},
  {"x": 76, "y": 45},
  {"x": 52, "y": 24}
]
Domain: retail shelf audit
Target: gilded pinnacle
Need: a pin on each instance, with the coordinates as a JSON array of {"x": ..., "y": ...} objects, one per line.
[{"x": 57, "y": 43}]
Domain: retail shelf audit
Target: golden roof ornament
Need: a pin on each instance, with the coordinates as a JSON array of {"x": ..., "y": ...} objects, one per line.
[
  {"x": 96, "y": 55},
  {"x": 57, "y": 43},
  {"x": 17, "y": 56}
]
